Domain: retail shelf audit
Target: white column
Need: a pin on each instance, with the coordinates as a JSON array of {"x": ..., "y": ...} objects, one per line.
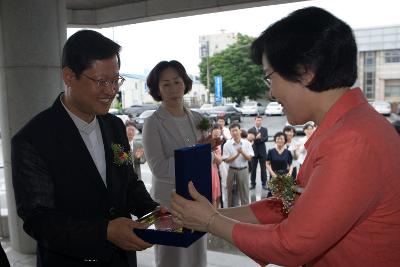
[{"x": 31, "y": 37}]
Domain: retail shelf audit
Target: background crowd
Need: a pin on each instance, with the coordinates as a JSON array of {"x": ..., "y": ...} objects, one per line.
[{"x": 285, "y": 157}]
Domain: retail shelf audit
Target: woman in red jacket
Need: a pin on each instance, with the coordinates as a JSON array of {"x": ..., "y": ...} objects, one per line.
[{"x": 348, "y": 213}]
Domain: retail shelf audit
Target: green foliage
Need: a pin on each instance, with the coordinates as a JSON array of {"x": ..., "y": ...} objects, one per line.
[
  {"x": 204, "y": 125},
  {"x": 241, "y": 78}
]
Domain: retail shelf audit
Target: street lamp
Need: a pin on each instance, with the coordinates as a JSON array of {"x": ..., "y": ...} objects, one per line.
[
  {"x": 205, "y": 53},
  {"x": 208, "y": 80}
]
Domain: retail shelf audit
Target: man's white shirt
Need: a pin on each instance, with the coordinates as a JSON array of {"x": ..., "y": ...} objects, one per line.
[
  {"x": 230, "y": 149},
  {"x": 91, "y": 135}
]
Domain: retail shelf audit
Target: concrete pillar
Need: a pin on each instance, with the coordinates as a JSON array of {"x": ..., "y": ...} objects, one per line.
[{"x": 31, "y": 37}]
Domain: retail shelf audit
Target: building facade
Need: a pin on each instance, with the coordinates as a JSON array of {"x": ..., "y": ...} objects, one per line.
[
  {"x": 209, "y": 46},
  {"x": 215, "y": 43},
  {"x": 379, "y": 62},
  {"x": 134, "y": 90}
]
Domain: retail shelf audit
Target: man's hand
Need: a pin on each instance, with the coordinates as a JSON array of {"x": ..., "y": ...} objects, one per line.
[
  {"x": 120, "y": 233},
  {"x": 139, "y": 153}
]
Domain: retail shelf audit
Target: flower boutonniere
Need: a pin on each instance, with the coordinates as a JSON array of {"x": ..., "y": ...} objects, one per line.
[
  {"x": 121, "y": 157},
  {"x": 284, "y": 188}
]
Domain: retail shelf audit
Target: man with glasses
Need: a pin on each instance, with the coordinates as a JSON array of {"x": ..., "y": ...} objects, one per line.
[{"x": 74, "y": 184}]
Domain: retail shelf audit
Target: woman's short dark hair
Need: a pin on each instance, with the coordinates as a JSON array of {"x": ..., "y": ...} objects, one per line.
[
  {"x": 280, "y": 134},
  {"x": 289, "y": 128},
  {"x": 308, "y": 125},
  {"x": 153, "y": 79},
  {"x": 243, "y": 133},
  {"x": 310, "y": 39},
  {"x": 216, "y": 126},
  {"x": 86, "y": 46}
]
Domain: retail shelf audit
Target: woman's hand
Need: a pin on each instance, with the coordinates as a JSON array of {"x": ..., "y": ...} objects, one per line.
[
  {"x": 210, "y": 140},
  {"x": 196, "y": 214}
]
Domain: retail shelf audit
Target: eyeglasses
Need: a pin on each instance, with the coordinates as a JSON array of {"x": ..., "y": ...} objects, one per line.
[
  {"x": 107, "y": 83},
  {"x": 267, "y": 79}
]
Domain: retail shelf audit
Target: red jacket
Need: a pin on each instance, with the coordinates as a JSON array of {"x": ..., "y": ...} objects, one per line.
[{"x": 349, "y": 212}]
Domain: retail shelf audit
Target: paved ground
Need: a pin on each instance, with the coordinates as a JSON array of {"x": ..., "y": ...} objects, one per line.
[
  {"x": 220, "y": 253},
  {"x": 145, "y": 258}
]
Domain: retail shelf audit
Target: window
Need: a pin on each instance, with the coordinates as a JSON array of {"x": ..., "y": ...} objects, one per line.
[
  {"x": 369, "y": 59},
  {"x": 369, "y": 74},
  {"x": 392, "y": 88},
  {"x": 392, "y": 56},
  {"x": 369, "y": 84}
]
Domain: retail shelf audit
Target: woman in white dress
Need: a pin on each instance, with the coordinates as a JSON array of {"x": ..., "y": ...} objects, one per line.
[
  {"x": 171, "y": 127},
  {"x": 308, "y": 131},
  {"x": 293, "y": 146}
]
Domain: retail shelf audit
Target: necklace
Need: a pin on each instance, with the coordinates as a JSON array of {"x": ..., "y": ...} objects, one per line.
[
  {"x": 280, "y": 150},
  {"x": 185, "y": 129}
]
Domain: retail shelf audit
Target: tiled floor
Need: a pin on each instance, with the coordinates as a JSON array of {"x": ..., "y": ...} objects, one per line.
[
  {"x": 145, "y": 259},
  {"x": 17, "y": 259}
]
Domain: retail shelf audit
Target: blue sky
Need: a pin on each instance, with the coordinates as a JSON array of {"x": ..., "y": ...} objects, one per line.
[{"x": 145, "y": 44}]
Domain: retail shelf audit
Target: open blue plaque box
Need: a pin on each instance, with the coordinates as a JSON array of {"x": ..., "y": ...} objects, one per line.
[{"x": 191, "y": 164}]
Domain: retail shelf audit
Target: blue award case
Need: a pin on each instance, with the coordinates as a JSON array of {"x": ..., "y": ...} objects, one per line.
[{"x": 191, "y": 164}]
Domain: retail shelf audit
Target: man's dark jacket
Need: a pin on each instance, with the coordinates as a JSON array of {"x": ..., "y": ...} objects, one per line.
[
  {"x": 3, "y": 258},
  {"x": 259, "y": 144},
  {"x": 61, "y": 196}
]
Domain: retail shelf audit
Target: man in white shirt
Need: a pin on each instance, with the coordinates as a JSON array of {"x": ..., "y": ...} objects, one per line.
[{"x": 237, "y": 153}]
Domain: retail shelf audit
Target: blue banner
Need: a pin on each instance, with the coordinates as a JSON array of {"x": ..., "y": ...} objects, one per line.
[{"x": 218, "y": 89}]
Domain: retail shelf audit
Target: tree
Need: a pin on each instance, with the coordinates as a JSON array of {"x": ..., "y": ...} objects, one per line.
[{"x": 241, "y": 78}]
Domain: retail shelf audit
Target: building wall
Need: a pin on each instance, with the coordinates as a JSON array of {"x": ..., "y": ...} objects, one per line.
[
  {"x": 215, "y": 43},
  {"x": 197, "y": 96},
  {"x": 379, "y": 62}
]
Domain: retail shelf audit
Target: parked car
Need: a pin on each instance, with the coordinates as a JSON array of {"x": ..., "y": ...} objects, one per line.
[
  {"x": 229, "y": 113},
  {"x": 201, "y": 111},
  {"x": 383, "y": 107},
  {"x": 139, "y": 121},
  {"x": 206, "y": 106},
  {"x": 274, "y": 108},
  {"x": 135, "y": 110},
  {"x": 252, "y": 108},
  {"x": 118, "y": 113},
  {"x": 233, "y": 104}
]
